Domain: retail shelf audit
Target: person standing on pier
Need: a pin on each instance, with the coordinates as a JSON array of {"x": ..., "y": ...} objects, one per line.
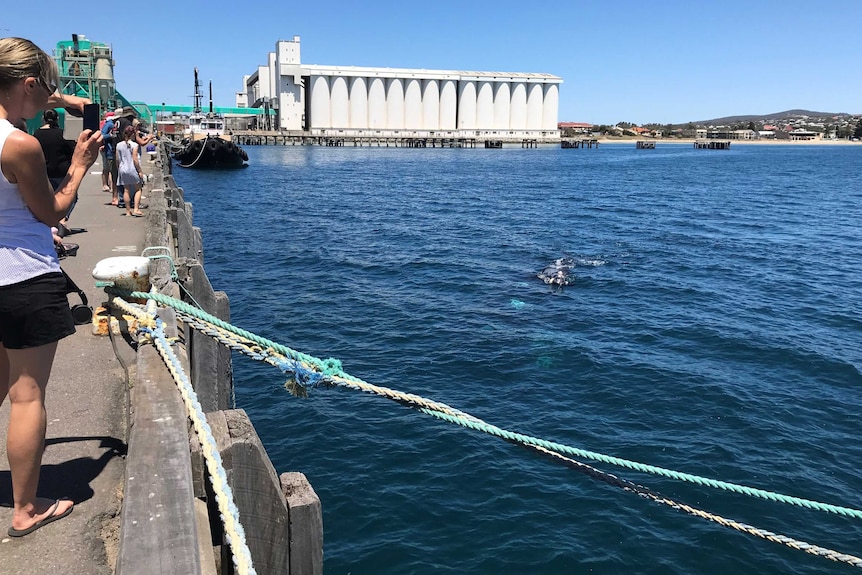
[
  {"x": 58, "y": 157},
  {"x": 109, "y": 164},
  {"x": 34, "y": 311},
  {"x": 130, "y": 175}
]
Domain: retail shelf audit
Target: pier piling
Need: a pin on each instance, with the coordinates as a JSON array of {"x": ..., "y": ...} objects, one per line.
[{"x": 712, "y": 144}]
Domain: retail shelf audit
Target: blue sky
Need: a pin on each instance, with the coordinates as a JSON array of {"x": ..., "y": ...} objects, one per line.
[{"x": 637, "y": 61}]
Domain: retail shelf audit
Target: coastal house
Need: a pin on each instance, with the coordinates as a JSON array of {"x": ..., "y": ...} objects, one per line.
[
  {"x": 803, "y": 135},
  {"x": 574, "y": 127},
  {"x": 727, "y": 134}
]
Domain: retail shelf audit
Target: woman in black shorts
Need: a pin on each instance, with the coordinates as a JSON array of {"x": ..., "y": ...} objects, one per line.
[{"x": 34, "y": 312}]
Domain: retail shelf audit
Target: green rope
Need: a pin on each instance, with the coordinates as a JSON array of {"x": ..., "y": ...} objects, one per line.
[
  {"x": 651, "y": 495},
  {"x": 328, "y": 367},
  {"x": 634, "y": 465},
  {"x": 332, "y": 368}
]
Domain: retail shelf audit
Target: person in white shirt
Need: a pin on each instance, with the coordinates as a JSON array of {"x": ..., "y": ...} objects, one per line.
[{"x": 34, "y": 311}]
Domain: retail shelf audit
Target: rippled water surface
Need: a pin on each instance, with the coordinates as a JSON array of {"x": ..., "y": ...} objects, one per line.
[{"x": 714, "y": 327}]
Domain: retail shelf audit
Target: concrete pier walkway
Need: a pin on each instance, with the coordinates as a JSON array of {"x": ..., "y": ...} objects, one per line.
[{"x": 86, "y": 405}]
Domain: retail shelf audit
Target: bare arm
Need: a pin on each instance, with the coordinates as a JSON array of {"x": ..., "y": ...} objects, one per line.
[
  {"x": 68, "y": 101},
  {"x": 137, "y": 163},
  {"x": 24, "y": 164}
]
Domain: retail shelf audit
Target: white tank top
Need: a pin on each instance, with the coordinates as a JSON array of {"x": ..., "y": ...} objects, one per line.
[{"x": 26, "y": 244}]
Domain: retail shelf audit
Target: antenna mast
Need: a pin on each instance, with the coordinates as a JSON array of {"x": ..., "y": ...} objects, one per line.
[{"x": 198, "y": 96}]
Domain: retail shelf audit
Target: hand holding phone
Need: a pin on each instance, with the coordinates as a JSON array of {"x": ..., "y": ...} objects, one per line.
[{"x": 91, "y": 117}]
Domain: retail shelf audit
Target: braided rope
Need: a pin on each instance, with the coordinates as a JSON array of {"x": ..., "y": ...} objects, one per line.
[
  {"x": 310, "y": 372},
  {"x": 145, "y": 319},
  {"x": 648, "y": 493},
  {"x": 239, "y": 344},
  {"x": 329, "y": 371},
  {"x": 307, "y": 371},
  {"x": 203, "y": 149},
  {"x": 234, "y": 532}
]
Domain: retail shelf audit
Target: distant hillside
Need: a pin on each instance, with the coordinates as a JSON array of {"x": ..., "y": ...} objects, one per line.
[{"x": 786, "y": 115}]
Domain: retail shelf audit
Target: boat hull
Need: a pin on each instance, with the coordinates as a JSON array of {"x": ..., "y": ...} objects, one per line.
[{"x": 211, "y": 153}]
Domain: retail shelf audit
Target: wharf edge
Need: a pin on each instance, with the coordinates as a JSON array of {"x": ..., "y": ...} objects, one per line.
[
  {"x": 152, "y": 511},
  {"x": 280, "y": 515}
]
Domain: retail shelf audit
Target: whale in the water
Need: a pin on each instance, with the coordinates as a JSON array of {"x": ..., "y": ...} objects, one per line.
[{"x": 559, "y": 273}]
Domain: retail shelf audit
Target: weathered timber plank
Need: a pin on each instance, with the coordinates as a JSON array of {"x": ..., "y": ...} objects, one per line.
[
  {"x": 198, "y": 244},
  {"x": 306, "y": 525},
  {"x": 257, "y": 494},
  {"x": 158, "y": 533},
  {"x": 156, "y": 234},
  {"x": 186, "y": 247},
  {"x": 212, "y": 374},
  {"x": 205, "y": 546}
]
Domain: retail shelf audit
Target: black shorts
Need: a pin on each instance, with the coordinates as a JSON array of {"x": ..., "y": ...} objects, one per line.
[{"x": 35, "y": 312}]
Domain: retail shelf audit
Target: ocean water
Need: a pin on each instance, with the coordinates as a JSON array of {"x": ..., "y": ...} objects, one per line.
[{"x": 714, "y": 327}]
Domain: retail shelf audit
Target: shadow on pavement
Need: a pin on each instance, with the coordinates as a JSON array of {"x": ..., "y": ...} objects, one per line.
[{"x": 70, "y": 479}]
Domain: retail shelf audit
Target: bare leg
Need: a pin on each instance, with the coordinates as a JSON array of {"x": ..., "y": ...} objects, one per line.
[
  {"x": 29, "y": 370},
  {"x": 114, "y": 193},
  {"x": 4, "y": 374},
  {"x": 138, "y": 200},
  {"x": 127, "y": 200}
]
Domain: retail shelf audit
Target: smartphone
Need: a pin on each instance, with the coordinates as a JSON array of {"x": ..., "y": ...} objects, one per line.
[{"x": 91, "y": 117}]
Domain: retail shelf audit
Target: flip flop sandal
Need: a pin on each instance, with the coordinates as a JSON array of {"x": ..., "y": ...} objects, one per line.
[{"x": 39, "y": 524}]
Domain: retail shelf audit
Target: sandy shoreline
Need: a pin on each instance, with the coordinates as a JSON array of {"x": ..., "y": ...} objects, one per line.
[{"x": 691, "y": 141}]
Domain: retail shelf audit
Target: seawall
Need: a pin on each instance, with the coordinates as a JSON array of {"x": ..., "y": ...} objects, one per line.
[{"x": 170, "y": 520}]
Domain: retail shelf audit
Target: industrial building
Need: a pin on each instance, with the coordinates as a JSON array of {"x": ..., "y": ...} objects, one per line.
[{"x": 397, "y": 102}]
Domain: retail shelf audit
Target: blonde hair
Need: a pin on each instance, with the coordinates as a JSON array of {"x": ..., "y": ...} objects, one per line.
[{"x": 20, "y": 58}]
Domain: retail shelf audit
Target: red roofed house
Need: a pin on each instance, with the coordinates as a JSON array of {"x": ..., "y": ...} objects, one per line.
[{"x": 574, "y": 127}]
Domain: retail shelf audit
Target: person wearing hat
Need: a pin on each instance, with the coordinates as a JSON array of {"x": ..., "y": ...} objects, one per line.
[
  {"x": 122, "y": 119},
  {"x": 108, "y": 116}
]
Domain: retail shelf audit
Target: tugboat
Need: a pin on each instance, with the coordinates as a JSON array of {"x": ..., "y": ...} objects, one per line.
[{"x": 205, "y": 145}]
